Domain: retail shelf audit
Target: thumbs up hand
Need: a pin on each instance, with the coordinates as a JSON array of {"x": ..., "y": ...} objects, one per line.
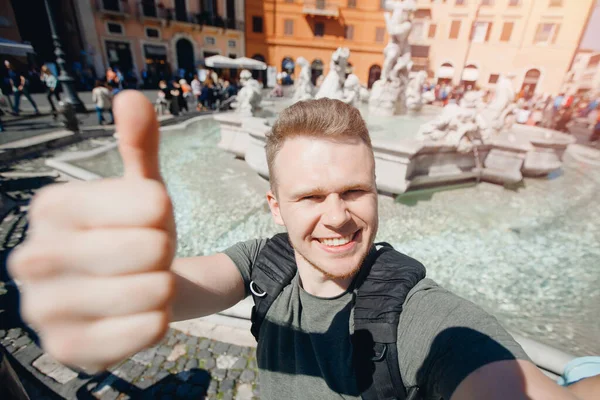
[{"x": 94, "y": 272}]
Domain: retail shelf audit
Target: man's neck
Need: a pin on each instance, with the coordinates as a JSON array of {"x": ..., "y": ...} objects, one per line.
[{"x": 317, "y": 284}]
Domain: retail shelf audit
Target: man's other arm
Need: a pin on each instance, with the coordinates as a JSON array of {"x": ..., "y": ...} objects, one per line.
[
  {"x": 205, "y": 285},
  {"x": 510, "y": 379}
]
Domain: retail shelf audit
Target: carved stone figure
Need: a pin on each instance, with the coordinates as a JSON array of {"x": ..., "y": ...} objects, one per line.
[
  {"x": 388, "y": 95},
  {"x": 333, "y": 85},
  {"x": 497, "y": 113},
  {"x": 352, "y": 90},
  {"x": 304, "y": 88},
  {"x": 414, "y": 92},
  {"x": 250, "y": 95}
]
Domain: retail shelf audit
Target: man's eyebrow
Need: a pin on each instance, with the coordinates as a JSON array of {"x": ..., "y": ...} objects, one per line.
[{"x": 316, "y": 191}]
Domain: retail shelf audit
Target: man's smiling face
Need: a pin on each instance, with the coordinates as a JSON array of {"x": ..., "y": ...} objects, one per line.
[{"x": 325, "y": 195}]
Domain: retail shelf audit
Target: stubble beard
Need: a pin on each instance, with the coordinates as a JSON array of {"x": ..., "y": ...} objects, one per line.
[{"x": 349, "y": 274}]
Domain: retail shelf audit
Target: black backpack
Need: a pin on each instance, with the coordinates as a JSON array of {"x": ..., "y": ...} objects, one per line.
[{"x": 381, "y": 288}]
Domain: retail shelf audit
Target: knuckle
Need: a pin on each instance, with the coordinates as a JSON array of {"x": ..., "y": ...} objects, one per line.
[
  {"x": 164, "y": 248},
  {"x": 159, "y": 203},
  {"x": 62, "y": 345},
  {"x": 45, "y": 202},
  {"x": 159, "y": 329},
  {"x": 165, "y": 289},
  {"x": 29, "y": 261}
]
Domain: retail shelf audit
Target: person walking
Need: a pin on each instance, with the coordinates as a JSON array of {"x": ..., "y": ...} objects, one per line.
[
  {"x": 51, "y": 84},
  {"x": 102, "y": 98},
  {"x": 20, "y": 87},
  {"x": 196, "y": 90}
]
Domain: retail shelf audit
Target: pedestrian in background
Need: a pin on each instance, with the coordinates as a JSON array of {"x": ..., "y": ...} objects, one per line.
[
  {"x": 20, "y": 87},
  {"x": 51, "y": 84},
  {"x": 102, "y": 98}
]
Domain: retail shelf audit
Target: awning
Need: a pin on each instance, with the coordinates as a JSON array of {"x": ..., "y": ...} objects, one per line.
[
  {"x": 9, "y": 47},
  {"x": 470, "y": 74},
  {"x": 250, "y": 63},
  {"x": 444, "y": 72},
  {"x": 220, "y": 61}
]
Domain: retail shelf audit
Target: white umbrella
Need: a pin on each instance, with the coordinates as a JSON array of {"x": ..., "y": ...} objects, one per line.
[
  {"x": 219, "y": 61},
  {"x": 250, "y": 63}
]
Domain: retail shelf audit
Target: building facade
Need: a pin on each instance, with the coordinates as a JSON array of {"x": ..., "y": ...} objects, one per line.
[
  {"x": 584, "y": 76},
  {"x": 470, "y": 41},
  {"x": 161, "y": 38}
]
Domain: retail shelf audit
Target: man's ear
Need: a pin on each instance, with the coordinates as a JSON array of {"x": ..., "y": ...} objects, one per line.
[{"x": 274, "y": 206}]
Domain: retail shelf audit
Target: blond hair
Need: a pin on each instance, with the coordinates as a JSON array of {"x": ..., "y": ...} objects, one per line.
[{"x": 323, "y": 118}]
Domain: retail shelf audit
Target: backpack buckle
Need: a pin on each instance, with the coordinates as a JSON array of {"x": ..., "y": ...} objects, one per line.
[
  {"x": 381, "y": 355},
  {"x": 256, "y": 290}
]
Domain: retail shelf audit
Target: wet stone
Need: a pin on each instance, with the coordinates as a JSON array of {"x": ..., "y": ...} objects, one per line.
[
  {"x": 247, "y": 376},
  {"x": 219, "y": 373}
]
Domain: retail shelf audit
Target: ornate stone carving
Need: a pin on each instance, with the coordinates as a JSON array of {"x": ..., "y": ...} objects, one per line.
[
  {"x": 303, "y": 89},
  {"x": 333, "y": 85}
]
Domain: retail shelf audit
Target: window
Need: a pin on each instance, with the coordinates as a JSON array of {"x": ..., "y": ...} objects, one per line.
[
  {"x": 454, "y": 29},
  {"x": 594, "y": 61},
  {"x": 349, "y": 32},
  {"x": 379, "y": 34},
  {"x": 257, "y": 24},
  {"x": 494, "y": 78},
  {"x": 460, "y": 2},
  {"x": 351, "y": 3},
  {"x": 232, "y": 44},
  {"x": 232, "y": 56},
  {"x": 153, "y": 33},
  {"x": 114, "y": 28},
  {"x": 382, "y": 4},
  {"x": 481, "y": 32},
  {"x": 432, "y": 29},
  {"x": 418, "y": 31},
  {"x": 514, "y": 3},
  {"x": 487, "y": 2},
  {"x": 210, "y": 41},
  {"x": 288, "y": 27},
  {"x": 556, "y": 3},
  {"x": 319, "y": 29},
  {"x": 546, "y": 33},
  {"x": 507, "y": 29}
]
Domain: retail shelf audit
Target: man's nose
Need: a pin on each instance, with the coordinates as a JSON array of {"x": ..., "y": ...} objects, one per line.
[{"x": 335, "y": 214}]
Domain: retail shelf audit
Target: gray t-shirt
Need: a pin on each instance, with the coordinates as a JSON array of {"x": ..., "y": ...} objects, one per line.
[{"x": 305, "y": 350}]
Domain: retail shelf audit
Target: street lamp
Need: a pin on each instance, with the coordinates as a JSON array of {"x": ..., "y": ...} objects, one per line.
[{"x": 71, "y": 104}]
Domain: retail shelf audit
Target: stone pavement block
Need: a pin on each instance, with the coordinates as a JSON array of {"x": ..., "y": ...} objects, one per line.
[
  {"x": 227, "y": 396},
  {"x": 181, "y": 364},
  {"x": 208, "y": 363},
  {"x": 244, "y": 392},
  {"x": 169, "y": 365},
  {"x": 226, "y": 361},
  {"x": 252, "y": 364},
  {"x": 2, "y": 333},
  {"x": 191, "y": 364},
  {"x": 172, "y": 340},
  {"x": 212, "y": 387},
  {"x": 192, "y": 341},
  {"x": 247, "y": 376},
  {"x": 204, "y": 354},
  {"x": 164, "y": 351},
  {"x": 146, "y": 356},
  {"x": 204, "y": 344},
  {"x": 219, "y": 373},
  {"x": 220, "y": 348},
  {"x": 234, "y": 350},
  {"x": 22, "y": 341},
  {"x": 27, "y": 354},
  {"x": 52, "y": 368},
  {"x": 14, "y": 333},
  {"x": 233, "y": 374},
  {"x": 240, "y": 363},
  {"x": 177, "y": 352}
]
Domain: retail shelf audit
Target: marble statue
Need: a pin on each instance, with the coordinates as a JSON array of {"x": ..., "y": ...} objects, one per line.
[
  {"x": 250, "y": 95},
  {"x": 303, "y": 88},
  {"x": 352, "y": 90},
  {"x": 388, "y": 95},
  {"x": 457, "y": 126},
  {"x": 473, "y": 99},
  {"x": 333, "y": 85},
  {"x": 498, "y": 111},
  {"x": 414, "y": 92}
]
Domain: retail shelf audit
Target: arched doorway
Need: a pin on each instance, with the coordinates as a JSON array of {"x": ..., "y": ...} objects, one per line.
[
  {"x": 374, "y": 75},
  {"x": 445, "y": 73},
  {"x": 185, "y": 56},
  {"x": 316, "y": 69},
  {"x": 469, "y": 76},
  {"x": 260, "y": 75},
  {"x": 530, "y": 82}
]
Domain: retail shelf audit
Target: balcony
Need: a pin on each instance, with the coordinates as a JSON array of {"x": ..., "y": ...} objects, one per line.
[
  {"x": 113, "y": 8},
  {"x": 321, "y": 8}
]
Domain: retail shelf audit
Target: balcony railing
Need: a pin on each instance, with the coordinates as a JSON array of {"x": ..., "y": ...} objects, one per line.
[
  {"x": 146, "y": 10},
  {"x": 113, "y": 7},
  {"x": 321, "y": 8}
]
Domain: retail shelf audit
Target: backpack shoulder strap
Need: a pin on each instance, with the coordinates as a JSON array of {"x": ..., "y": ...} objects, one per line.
[
  {"x": 274, "y": 269},
  {"x": 381, "y": 289}
]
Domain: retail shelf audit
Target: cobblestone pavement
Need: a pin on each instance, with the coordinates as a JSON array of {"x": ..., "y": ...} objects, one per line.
[{"x": 179, "y": 367}]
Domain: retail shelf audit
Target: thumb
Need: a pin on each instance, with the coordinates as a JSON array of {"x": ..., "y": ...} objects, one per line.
[{"x": 137, "y": 126}]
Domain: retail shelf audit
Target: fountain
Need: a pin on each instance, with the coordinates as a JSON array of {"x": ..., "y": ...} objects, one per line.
[{"x": 303, "y": 87}]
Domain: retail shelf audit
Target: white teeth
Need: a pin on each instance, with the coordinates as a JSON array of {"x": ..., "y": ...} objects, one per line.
[{"x": 336, "y": 241}]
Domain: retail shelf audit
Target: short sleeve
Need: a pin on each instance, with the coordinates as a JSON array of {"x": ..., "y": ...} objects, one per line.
[
  {"x": 243, "y": 255},
  {"x": 442, "y": 338}
]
